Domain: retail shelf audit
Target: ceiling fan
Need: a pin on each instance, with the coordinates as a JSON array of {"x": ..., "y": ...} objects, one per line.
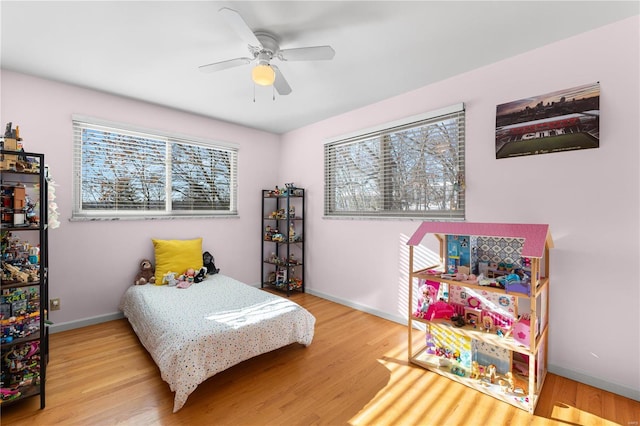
[{"x": 263, "y": 48}]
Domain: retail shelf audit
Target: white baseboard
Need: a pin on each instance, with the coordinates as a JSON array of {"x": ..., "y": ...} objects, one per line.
[
  {"x": 64, "y": 326},
  {"x": 595, "y": 382},
  {"x": 363, "y": 308}
]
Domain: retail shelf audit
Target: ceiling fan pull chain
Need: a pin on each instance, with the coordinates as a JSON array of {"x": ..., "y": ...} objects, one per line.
[
  {"x": 273, "y": 92},
  {"x": 254, "y": 93}
]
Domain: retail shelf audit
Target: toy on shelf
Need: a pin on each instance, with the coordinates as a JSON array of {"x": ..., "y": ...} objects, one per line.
[
  {"x": 275, "y": 192},
  {"x": 292, "y": 233},
  {"x": 278, "y": 214},
  {"x": 289, "y": 190},
  {"x": 511, "y": 383},
  {"x": 491, "y": 373},
  {"x": 475, "y": 371},
  {"x": 427, "y": 293}
]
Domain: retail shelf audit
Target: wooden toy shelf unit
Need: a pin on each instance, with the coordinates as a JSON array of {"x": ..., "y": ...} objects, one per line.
[{"x": 480, "y": 317}]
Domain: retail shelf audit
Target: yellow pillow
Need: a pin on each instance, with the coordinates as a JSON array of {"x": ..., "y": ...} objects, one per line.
[{"x": 177, "y": 256}]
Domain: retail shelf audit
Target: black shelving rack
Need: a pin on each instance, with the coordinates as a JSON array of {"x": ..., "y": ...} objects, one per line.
[
  {"x": 25, "y": 280},
  {"x": 283, "y": 239}
]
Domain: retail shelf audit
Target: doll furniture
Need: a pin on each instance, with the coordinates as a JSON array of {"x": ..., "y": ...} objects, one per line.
[{"x": 498, "y": 333}]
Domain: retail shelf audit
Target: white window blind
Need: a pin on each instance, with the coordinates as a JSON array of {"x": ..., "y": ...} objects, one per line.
[
  {"x": 124, "y": 173},
  {"x": 413, "y": 168}
]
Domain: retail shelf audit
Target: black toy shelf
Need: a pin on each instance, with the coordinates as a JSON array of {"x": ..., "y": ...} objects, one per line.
[
  {"x": 24, "y": 290},
  {"x": 283, "y": 213}
]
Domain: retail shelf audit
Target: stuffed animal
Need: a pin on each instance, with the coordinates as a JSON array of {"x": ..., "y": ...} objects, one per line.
[
  {"x": 169, "y": 279},
  {"x": 207, "y": 261},
  {"x": 146, "y": 274},
  {"x": 190, "y": 275},
  {"x": 201, "y": 274}
]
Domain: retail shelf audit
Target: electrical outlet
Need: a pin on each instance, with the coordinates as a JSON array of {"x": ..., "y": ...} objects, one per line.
[{"x": 54, "y": 304}]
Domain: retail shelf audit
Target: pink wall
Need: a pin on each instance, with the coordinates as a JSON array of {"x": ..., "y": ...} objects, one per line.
[
  {"x": 92, "y": 263},
  {"x": 590, "y": 199}
]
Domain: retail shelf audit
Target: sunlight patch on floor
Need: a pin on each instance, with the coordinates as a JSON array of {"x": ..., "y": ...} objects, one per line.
[
  {"x": 415, "y": 396},
  {"x": 566, "y": 413},
  {"x": 402, "y": 400}
]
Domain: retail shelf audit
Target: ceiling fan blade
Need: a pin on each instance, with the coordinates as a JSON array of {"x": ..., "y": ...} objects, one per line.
[
  {"x": 241, "y": 28},
  {"x": 315, "y": 53},
  {"x": 280, "y": 83},
  {"x": 223, "y": 65}
]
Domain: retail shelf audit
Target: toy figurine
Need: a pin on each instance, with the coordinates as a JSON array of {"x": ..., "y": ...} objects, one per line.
[
  {"x": 427, "y": 294},
  {"x": 487, "y": 323},
  {"x": 512, "y": 384},
  {"x": 475, "y": 371},
  {"x": 491, "y": 373},
  {"x": 292, "y": 233},
  {"x": 458, "y": 371}
]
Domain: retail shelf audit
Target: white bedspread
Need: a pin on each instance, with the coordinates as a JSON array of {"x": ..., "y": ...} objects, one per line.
[{"x": 197, "y": 332}]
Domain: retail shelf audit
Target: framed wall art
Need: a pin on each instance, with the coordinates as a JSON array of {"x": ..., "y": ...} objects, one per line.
[{"x": 560, "y": 121}]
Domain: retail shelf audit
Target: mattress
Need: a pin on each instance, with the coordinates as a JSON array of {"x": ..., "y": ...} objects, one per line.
[{"x": 196, "y": 332}]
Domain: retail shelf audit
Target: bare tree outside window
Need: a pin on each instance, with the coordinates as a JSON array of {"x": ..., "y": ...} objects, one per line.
[
  {"x": 124, "y": 174},
  {"x": 410, "y": 170},
  {"x": 121, "y": 172},
  {"x": 200, "y": 178}
]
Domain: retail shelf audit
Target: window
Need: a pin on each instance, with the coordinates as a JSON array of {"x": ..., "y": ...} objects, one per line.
[
  {"x": 409, "y": 169},
  {"x": 121, "y": 172}
]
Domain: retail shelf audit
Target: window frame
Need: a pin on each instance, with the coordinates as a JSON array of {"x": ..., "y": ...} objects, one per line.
[
  {"x": 170, "y": 139},
  {"x": 456, "y": 111}
]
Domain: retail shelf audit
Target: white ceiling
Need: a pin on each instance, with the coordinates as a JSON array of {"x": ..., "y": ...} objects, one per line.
[{"x": 151, "y": 50}]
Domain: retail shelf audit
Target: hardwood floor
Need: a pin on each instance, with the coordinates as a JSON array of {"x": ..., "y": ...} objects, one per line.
[{"x": 355, "y": 372}]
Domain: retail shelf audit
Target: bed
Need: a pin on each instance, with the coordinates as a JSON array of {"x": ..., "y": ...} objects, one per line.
[{"x": 196, "y": 332}]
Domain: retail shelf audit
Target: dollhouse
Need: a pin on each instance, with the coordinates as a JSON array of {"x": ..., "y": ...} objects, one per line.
[{"x": 481, "y": 314}]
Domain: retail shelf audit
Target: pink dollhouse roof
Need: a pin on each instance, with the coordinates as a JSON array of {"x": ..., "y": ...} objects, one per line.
[{"x": 535, "y": 236}]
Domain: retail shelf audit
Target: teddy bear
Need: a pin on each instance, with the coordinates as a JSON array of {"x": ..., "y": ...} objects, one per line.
[{"x": 146, "y": 274}]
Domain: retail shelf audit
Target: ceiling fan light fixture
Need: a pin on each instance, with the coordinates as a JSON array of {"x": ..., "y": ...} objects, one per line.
[{"x": 263, "y": 75}]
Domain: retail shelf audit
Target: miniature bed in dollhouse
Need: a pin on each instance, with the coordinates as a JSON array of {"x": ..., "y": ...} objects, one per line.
[
  {"x": 483, "y": 310},
  {"x": 193, "y": 333}
]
